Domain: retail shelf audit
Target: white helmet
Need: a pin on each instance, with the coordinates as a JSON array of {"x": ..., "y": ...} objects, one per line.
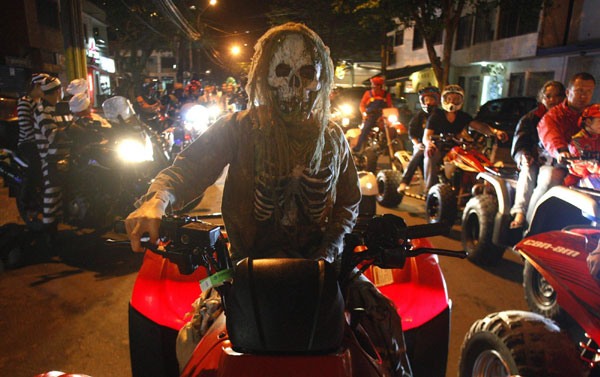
[{"x": 449, "y": 106}]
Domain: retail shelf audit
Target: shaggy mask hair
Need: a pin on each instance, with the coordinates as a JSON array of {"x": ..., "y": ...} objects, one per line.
[{"x": 283, "y": 146}]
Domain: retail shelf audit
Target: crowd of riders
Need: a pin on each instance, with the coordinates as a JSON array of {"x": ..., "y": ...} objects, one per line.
[
  {"x": 151, "y": 102},
  {"x": 51, "y": 121}
]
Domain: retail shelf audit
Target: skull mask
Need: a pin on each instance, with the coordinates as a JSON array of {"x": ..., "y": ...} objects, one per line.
[{"x": 294, "y": 76}]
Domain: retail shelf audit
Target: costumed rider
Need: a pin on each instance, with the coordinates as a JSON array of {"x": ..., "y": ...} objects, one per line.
[
  {"x": 53, "y": 145},
  {"x": 291, "y": 190},
  {"x": 450, "y": 120},
  {"x": 429, "y": 98},
  {"x": 586, "y": 146},
  {"x": 26, "y": 144},
  {"x": 371, "y": 106}
]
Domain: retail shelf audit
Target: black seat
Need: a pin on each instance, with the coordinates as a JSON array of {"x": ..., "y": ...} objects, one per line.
[{"x": 285, "y": 306}]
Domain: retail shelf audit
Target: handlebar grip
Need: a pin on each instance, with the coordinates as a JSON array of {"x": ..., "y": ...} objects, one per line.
[
  {"x": 120, "y": 226},
  {"x": 427, "y": 230}
]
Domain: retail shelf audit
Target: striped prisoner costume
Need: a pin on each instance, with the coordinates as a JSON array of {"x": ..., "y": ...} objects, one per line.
[
  {"x": 25, "y": 108},
  {"x": 48, "y": 126}
]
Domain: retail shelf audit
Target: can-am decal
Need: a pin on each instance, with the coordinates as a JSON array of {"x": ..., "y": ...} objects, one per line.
[{"x": 548, "y": 246}]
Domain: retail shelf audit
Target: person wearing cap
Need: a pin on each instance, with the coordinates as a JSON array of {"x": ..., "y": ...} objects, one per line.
[
  {"x": 585, "y": 145},
  {"x": 53, "y": 145},
  {"x": 450, "y": 120},
  {"x": 556, "y": 128},
  {"x": 77, "y": 86},
  {"x": 527, "y": 151},
  {"x": 26, "y": 145},
  {"x": 371, "y": 106},
  {"x": 429, "y": 97}
]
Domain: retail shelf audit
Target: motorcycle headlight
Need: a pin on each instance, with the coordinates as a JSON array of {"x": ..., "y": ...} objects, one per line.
[
  {"x": 392, "y": 119},
  {"x": 214, "y": 111},
  {"x": 135, "y": 151},
  {"x": 197, "y": 114}
]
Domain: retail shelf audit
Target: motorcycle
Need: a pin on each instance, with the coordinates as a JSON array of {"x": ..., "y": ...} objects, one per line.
[
  {"x": 323, "y": 340},
  {"x": 458, "y": 174},
  {"x": 106, "y": 170}
]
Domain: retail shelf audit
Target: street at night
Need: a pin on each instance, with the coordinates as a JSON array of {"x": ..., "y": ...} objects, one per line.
[
  {"x": 283, "y": 188},
  {"x": 69, "y": 312}
]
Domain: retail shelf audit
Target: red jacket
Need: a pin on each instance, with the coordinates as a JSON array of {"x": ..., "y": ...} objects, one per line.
[
  {"x": 586, "y": 146},
  {"x": 557, "y": 127}
]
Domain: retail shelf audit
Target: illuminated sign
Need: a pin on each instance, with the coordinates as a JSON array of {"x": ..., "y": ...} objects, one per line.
[{"x": 107, "y": 64}]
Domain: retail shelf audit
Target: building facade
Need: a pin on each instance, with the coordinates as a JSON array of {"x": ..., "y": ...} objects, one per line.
[{"x": 505, "y": 52}]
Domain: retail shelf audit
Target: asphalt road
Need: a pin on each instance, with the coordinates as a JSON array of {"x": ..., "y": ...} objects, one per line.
[{"x": 68, "y": 310}]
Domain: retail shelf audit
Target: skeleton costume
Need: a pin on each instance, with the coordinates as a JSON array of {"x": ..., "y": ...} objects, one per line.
[{"x": 292, "y": 188}]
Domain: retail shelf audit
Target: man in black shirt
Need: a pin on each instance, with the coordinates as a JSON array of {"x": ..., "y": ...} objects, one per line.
[
  {"x": 449, "y": 121},
  {"x": 429, "y": 98}
]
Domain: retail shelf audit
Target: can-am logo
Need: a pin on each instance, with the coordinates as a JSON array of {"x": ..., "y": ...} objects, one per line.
[{"x": 548, "y": 246}]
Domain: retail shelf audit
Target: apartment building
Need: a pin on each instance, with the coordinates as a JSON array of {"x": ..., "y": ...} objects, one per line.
[{"x": 498, "y": 52}]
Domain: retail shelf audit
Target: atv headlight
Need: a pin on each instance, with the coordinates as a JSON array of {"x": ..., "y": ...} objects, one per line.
[
  {"x": 392, "y": 119},
  {"x": 214, "y": 111},
  {"x": 135, "y": 151},
  {"x": 346, "y": 109}
]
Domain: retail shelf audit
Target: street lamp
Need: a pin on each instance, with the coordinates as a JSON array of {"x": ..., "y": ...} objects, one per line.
[{"x": 235, "y": 50}]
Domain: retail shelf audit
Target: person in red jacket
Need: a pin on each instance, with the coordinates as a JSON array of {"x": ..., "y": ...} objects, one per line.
[
  {"x": 586, "y": 145},
  {"x": 556, "y": 128},
  {"x": 371, "y": 106}
]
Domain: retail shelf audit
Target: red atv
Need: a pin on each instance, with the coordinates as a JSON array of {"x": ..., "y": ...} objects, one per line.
[
  {"x": 460, "y": 167},
  {"x": 295, "y": 325},
  {"x": 558, "y": 286}
]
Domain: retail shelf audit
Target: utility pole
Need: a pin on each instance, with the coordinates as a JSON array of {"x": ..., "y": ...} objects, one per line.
[{"x": 72, "y": 28}]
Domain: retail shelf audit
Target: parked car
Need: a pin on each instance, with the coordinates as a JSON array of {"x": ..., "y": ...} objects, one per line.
[{"x": 504, "y": 113}]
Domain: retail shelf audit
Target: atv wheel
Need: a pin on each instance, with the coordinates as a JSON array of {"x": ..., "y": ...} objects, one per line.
[
  {"x": 478, "y": 228},
  {"x": 371, "y": 158},
  {"x": 539, "y": 294},
  {"x": 517, "y": 343},
  {"x": 387, "y": 185},
  {"x": 440, "y": 204}
]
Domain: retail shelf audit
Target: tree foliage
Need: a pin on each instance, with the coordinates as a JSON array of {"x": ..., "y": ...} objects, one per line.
[
  {"x": 339, "y": 31},
  {"x": 430, "y": 17}
]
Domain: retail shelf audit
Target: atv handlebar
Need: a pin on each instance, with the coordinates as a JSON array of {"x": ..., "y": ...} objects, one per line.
[{"x": 190, "y": 243}]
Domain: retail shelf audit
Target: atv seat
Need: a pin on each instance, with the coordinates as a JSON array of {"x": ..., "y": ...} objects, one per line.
[{"x": 289, "y": 306}]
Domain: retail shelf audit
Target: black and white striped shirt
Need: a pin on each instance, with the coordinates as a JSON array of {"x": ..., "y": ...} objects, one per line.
[
  {"x": 25, "y": 108},
  {"x": 47, "y": 127}
]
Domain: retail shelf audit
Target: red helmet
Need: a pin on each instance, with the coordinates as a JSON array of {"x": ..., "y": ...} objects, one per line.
[
  {"x": 592, "y": 111},
  {"x": 377, "y": 80}
]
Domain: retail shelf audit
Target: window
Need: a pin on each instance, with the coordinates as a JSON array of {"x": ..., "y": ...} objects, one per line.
[
  {"x": 167, "y": 62},
  {"x": 417, "y": 39},
  {"x": 516, "y": 86},
  {"x": 85, "y": 35},
  {"x": 485, "y": 19},
  {"x": 47, "y": 13},
  {"x": 535, "y": 81},
  {"x": 399, "y": 38},
  {"x": 389, "y": 51},
  {"x": 517, "y": 20},
  {"x": 463, "y": 33}
]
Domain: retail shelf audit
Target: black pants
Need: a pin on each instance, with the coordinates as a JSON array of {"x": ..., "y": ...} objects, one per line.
[
  {"x": 370, "y": 122},
  {"x": 416, "y": 161}
]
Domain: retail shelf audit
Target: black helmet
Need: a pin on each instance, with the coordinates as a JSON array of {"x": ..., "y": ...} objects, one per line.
[{"x": 429, "y": 91}]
